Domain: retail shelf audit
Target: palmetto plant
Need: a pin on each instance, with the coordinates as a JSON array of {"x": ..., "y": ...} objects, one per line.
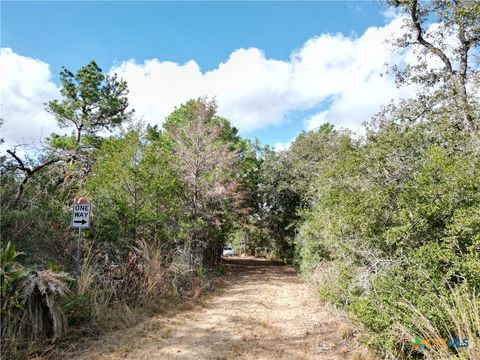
[{"x": 30, "y": 300}]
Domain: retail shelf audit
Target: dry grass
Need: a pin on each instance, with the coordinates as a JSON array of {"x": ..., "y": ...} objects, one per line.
[
  {"x": 361, "y": 355},
  {"x": 462, "y": 321},
  {"x": 127, "y": 298},
  {"x": 33, "y": 311},
  {"x": 86, "y": 278},
  {"x": 145, "y": 274},
  {"x": 99, "y": 297},
  {"x": 346, "y": 330},
  {"x": 108, "y": 297},
  {"x": 257, "y": 311},
  {"x": 120, "y": 329}
]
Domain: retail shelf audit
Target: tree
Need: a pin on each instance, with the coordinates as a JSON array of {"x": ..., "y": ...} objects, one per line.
[
  {"x": 279, "y": 202},
  {"x": 205, "y": 156},
  {"x": 137, "y": 193},
  {"x": 307, "y": 154},
  {"x": 452, "y": 41},
  {"x": 38, "y": 186},
  {"x": 92, "y": 102}
]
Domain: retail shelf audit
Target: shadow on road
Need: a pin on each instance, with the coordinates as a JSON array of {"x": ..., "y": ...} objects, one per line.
[
  {"x": 249, "y": 263},
  {"x": 255, "y": 269}
]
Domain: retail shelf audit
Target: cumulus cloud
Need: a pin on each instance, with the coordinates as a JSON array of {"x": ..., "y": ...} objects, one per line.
[
  {"x": 339, "y": 74},
  {"x": 314, "y": 121},
  {"x": 251, "y": 90},
  {"x": 281, "y": 146},
  {"x": 25, "y": 86},
  {"x": 254, "y": 91}
]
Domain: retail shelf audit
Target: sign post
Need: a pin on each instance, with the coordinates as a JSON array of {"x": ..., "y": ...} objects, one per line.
[
  {"x": 78, "y": 248},
  {"x": 80, "y": 219}
]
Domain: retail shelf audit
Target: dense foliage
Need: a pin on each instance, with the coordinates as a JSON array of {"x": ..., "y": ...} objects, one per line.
[
  {"x": 164, "y": 204},
  {"x": 385, "y": 222}
]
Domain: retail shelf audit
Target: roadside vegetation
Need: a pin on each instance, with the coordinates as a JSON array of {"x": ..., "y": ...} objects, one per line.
[
  {"x": 385, "y": 223},
  {"x": 164, "y": 202}
]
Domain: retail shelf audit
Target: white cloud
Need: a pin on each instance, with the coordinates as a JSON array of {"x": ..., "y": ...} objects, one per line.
[
  {"x": 250, "y": 89},
  {"x": 315, "y": 120},
  {"x": 281, "y": 146},
  {"x": 256, "y": 92},
  {"x": 339, "y": 73},
  {"x": 25, "y": 86}
]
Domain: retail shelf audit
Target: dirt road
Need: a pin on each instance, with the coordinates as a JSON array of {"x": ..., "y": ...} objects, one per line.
[{"x": 263, "y": 312}]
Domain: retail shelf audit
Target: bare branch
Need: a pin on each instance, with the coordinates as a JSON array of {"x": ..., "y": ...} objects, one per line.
[
  {"x": 414, "y": 12},
  {"x": 28, "y": 172}
]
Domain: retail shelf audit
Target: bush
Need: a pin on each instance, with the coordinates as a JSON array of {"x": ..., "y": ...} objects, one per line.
[
  {"x": 31, "y": 301},
  {"x": 396, "y": 221}
]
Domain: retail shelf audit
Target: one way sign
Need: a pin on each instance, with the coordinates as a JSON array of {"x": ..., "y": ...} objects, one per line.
[{"x": 81, "y": 215}]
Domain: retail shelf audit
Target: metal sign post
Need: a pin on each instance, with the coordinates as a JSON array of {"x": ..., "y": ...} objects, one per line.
[
  {"x": 80, "y": 219},
  {"x": 78, "y": 248}
]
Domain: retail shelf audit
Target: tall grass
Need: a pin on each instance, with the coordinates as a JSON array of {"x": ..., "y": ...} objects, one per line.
[
  {"x": 86, "y": 278},
  {"x": 142, "y": 276},
  {"x": 106, "y": 296},
  {"x": 460, "y": 319},
  {"x": 96, "y": 298}
]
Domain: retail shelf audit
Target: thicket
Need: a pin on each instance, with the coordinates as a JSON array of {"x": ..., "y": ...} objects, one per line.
[
  {"x": 387, "y": 223},
  {"x": 164, "y": 203}
]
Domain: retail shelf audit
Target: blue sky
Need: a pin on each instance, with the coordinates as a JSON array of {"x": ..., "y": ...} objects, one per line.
[{"x": 72, "y": 33}]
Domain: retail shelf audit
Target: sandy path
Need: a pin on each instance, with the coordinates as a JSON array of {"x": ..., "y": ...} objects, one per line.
[{"x": 264, "y": 312}]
